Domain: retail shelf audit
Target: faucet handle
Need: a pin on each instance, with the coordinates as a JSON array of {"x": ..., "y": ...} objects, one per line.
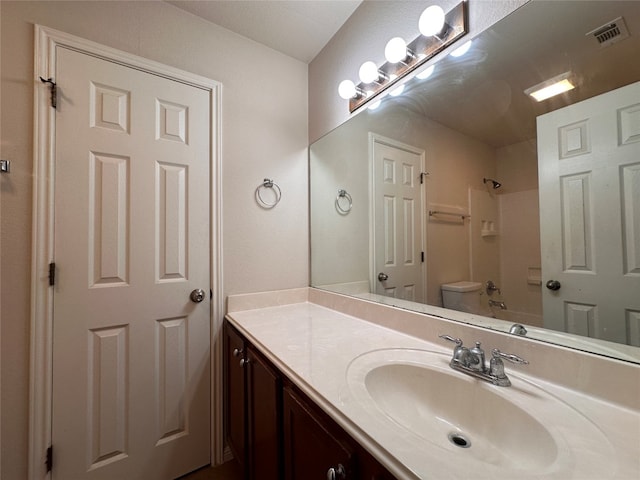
[
  {"x": 457, "y": 350},
  {"x": 492, "y": 287},
  {"x": 457, "y": 341},
  {"x": 508, "y": 356}
]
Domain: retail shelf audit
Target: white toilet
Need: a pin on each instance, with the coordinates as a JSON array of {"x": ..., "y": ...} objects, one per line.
[{"x": 463, "y": 296}]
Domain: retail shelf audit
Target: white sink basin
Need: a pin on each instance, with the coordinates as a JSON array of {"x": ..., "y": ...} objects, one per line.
[{"x": 480, "y": 429}]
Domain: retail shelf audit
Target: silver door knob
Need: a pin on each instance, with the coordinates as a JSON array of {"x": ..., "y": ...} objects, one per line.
[
  {"x": 553, "y": 285},
  {"x": 383, "y": 276},
  {"x": 197, "y": 295}
]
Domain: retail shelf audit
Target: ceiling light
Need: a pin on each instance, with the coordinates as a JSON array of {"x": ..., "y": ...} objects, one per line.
[
  {"x": 426, "y": 73},
  {"x": 550, "y": 88},
  {"x": 431, "y": 21},
  {"x": 458, "y": 52},
  {"x": 396, "y": 50}
]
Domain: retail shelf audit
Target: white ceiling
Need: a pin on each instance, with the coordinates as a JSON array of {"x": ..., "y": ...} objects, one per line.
[{"x": 298, "y": 28}]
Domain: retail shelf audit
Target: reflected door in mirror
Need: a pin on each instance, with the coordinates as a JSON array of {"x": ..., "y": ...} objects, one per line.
[
  {"x": 589, "y": 157},
  {"x": 397, "y": 220}
]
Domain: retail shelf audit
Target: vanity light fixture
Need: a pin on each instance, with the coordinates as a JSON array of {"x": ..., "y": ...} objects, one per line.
[
  {"x": 397, "y": 51},
  {"x": 374, "y": 105},
  {"x": 432, "y": 21},
  {"x": 396, "y": 91},
  {"x": 369, "y": 73},
  {"x": 552, "y": 87},
  {"x": 461, "y": 50},
  {"x": 347, "y": 89},
  {"x": 426, "y": 73},
  {"x": 438, "y": 31}
]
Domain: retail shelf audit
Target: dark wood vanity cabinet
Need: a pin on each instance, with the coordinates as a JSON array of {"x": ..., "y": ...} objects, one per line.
[
  {"x": 276, "y": 431},
  {"x": 234, "y": 387},
  {"x": 311, "y": 446},
  {"x": 252, "y": 406}
]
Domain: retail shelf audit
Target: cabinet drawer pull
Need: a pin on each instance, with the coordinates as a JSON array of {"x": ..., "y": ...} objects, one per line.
[
  {"x": 244, "y": 361},
  {"x": 237, "y": 352},
  {"x": 336, "y": 473}
]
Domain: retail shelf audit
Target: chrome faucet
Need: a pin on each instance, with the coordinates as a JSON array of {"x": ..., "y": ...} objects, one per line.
[
  {"x": 495, "y": 303},
  {"x": 472, "y": 362},
  {"x": 517, "y": 329}
]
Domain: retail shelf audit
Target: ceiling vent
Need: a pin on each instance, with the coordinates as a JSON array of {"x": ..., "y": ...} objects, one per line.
[{"x": 610, "y": 33}]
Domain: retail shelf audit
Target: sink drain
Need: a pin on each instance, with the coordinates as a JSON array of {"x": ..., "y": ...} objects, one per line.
[{"x": 459, "y": 440}]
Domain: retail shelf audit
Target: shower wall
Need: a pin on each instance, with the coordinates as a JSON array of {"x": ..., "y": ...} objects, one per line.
[{"x": 517, "y": 170}]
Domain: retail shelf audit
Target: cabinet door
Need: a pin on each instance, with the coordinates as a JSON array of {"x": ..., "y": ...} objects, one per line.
[
  {"x": 370, "y": 469},
  {"x": 311, "y": 447},
  {"x": 235, "y": 393},
  {"x": 263, "y": 402}
]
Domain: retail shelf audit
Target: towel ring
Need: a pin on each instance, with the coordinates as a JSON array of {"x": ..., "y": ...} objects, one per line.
[
  {"x": 268, "y": 183},
  {"x": 343, "y": 194}
]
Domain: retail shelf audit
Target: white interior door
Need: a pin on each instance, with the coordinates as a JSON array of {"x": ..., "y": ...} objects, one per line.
[
  {"x": 398, "y": 269},
  {"x": 589, "y": 168},
  {"x": 131, "y": 350}
]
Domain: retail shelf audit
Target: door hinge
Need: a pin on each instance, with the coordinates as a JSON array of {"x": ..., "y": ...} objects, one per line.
[
  {"x": 49, "y": 461},
  {"x": 52, "y": 274},
  {"x": 422, "y": 175},
  {"x": 54, "y": 90},
  {"x": 422, "y": 256}
]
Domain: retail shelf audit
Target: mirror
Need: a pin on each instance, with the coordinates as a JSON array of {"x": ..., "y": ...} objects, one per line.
[{"x": 463, "y": 130}]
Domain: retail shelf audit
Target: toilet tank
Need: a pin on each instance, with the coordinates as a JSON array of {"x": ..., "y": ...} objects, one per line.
[{"x": 462, "y": 296}]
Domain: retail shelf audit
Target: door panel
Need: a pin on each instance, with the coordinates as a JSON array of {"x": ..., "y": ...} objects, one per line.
[
  {"x": 589, "y": 168},
  {"x": 131, "y": 368}
]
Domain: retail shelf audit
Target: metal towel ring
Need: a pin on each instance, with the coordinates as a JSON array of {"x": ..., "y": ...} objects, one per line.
[
  {"x": 343, "y": 194},
  {"x": 268, "y": 183}
]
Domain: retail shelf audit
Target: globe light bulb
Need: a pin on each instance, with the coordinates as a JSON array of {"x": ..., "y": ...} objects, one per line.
[
  {"x": 368, "y": 72},
  {"x": 458, "y": 52},
  {"x": 374, "y": 105},
  {"x": 347, "y": 89},
  {"x": 398, "y": 90},
  {"x": 431, "y": 21},
  {"x": 396, "y": 50},
  {"x": 426, "y": 73}
]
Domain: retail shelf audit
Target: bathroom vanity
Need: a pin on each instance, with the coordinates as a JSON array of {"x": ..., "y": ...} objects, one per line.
[
  {"x": 367, "y": 390},
  {"x": 276, "y": 431}
]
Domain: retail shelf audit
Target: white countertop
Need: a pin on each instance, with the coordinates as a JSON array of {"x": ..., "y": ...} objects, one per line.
[{"x": 315, "y": 346}]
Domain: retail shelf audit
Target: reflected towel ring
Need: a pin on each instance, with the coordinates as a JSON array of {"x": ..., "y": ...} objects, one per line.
[
  {"x": 343, "y": 194},
  {"x": 268, "y": 183}
]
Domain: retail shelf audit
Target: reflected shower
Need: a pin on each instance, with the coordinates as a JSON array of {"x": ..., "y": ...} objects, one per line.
[{"x": 495, "y": 184}]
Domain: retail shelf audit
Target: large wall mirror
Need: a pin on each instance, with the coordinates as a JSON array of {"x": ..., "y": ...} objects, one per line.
[{"x": 464, "y": 179}]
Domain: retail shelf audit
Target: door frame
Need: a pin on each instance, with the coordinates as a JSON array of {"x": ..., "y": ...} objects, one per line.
[
  {"x": 41, "y": 343},
  {"x": 382, "y": 140}
]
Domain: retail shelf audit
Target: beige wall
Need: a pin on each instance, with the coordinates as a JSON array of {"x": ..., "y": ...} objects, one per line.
[
  {"x": 517, "y": 169},
  {"x": 264, "y": 134}
]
